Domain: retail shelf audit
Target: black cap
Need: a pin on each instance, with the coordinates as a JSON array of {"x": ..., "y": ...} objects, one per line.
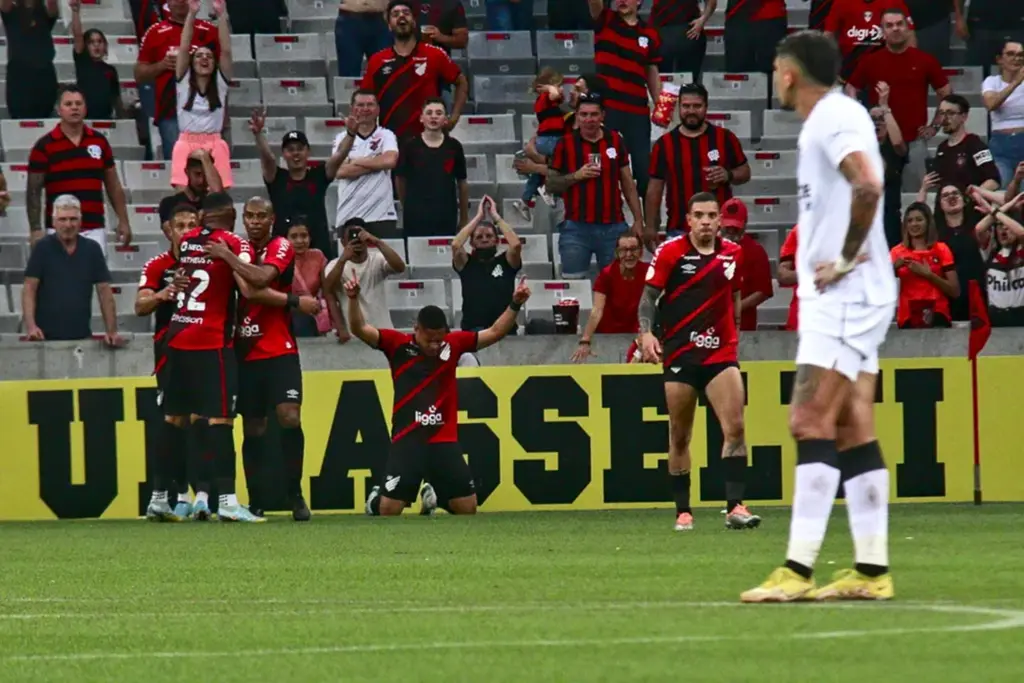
[{"x": 295, "y": 136}]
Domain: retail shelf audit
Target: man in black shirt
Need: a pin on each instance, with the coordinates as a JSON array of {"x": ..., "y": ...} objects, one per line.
[
  {"x": 203, "y": 179},
  {"x": 31, "y": 74},
  {"x": 431, "y": 178},
  {"x": 301, "y": 189},
  {"x": 991, "y": 23},
  {"x": 488, "y": 278}
]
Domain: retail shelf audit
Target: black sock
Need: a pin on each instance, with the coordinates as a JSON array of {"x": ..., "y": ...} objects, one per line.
[
  {"x": 170, "y": 448},
  {"x": 870, "y": 570},
  {"x": 202, "y": 455},
  {"x": 681, "y": 491},
  {"x": 802, "y": 570},
  {"x": 293, "y": 447},
  {"x": 221, "y": 440},
  {"x": 735, "y": 480},
  {"x": 253, "y": 458},
  {"x": 375, "y": 506}
]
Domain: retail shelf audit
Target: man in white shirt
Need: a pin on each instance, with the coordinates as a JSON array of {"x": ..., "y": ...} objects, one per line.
[
  {"x": 364, "y": 178},
  {"x": 847, "y": 296},
  {"x": 372, "y": 261}
]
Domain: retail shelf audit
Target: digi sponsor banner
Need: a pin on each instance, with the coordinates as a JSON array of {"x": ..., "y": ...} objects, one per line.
[{"x": 546, "y": 437}]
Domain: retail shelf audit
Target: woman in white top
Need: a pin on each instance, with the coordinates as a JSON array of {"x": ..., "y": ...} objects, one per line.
[
  {"x": 202, "y": 89},
  {"x": 1004, "y": 98}
]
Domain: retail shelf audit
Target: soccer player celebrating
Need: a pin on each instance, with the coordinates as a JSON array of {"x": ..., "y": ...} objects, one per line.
[
  {"x": 158, "y": 293},
  {"x": 424, "y": 419},
  {"x": 694, "y": 284},
  {"x": 269, "y": 373},
  {"x": 847, "y": 296}
]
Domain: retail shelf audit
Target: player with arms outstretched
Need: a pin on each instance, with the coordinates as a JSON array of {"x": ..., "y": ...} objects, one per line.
[
  {"x": 847, "y": 296},
  {"x": 694, "y": 284},
  {"x": 158, "y": 296},
  {"x": 424, "y": 419},
  {"x": 269, "y": 373}
]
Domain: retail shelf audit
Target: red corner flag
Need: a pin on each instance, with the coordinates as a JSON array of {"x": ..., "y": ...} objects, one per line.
[{"x": 981, "y": 328}]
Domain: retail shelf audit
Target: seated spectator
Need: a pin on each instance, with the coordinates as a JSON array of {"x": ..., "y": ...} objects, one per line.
[
  {"x": 307, "y": 281},
  {"x": 962, "y": 159},
  {"x": 370, "y": 152},
  {"x": 431, "y": 178},
  {"x": 617, "y": 292},
  {"x": 202, "y": 95},
  {"x": 926, "y": 272},
  {"x": 954, "y": 223},
  {"x": 1004, "y": 99},
  {"x": 62, "y": 271},
  {"x": 202, "y": 178},
  {"x": 894, "y": 156},
  {"x": 757, "y": 269},
  {"x": 1004, "y": 261},
  {"x": 509, "y": 15},
  {"x": 371, "y": 265},
  {"x": 28, "y": 25},
  {"x": 550, "y": 129},
  {"x": 786, "y": 275},
  {"x": 488, "y": 278},
  {"x": 97, "y": 80}
]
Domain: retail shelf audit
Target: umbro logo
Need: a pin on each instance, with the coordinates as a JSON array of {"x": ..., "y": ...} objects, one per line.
[
  {"x": 675, "y": 370},
  {"x": 292, "y": 394},
  {"x": 391, "y": 483},
  {"x": 688, "y": 268}
]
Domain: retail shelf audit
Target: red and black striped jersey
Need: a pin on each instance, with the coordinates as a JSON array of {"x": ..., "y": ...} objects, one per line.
[
  {"x": 73, "y": 169},
  {"x": 426, "y": 403},
  {"x": 755, "y": 10},
  {"x": 680, "y": 160},
  {"x": 205, "y": 316},
  {"x": 597, "y": 200},
  {"x": 622, "y": 54},
  {"x": 266, "y": 331},
  {"x": 674, "y": 12},
  {"x": 404, "y": 84},
  {"x": 696, "y": 308},
  {"x": 157, "y": 274},
  {"x": 550, "y": 118},
  {"x": 819, "y": 13}
]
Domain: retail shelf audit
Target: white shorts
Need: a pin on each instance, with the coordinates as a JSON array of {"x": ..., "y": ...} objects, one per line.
[
  {"x": 97, "y": 235},
  {"x": 843, "y": 337}
]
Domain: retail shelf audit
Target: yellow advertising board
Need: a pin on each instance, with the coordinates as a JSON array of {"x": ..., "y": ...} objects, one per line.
[{"x": 541, "y": 437}]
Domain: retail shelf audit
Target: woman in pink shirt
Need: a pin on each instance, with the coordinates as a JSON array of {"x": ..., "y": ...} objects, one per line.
[{"x": 307, "y": 280}]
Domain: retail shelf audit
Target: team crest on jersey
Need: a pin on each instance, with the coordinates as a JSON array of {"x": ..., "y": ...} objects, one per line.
[
  {"x": 729, "y": 270},
  {"x": 643, "y": 42},
  {"x": 498, "y": 271},
  {"x": 611, "y": 153},
  {"x": 446, "y": 352},
  {"x": 713, "y": 155},
  {"x": 420, "y": 68},
  {"x": 374, "y": 144},
  {"x": 868, "y": 15},
  {"x": 94, "y": 151}
]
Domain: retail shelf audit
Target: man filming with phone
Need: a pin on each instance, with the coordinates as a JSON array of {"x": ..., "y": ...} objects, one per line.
[{"x": 371, "y": 261}]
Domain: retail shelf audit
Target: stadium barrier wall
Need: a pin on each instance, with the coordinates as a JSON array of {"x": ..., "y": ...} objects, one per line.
[{"x": 536, "y": 436}]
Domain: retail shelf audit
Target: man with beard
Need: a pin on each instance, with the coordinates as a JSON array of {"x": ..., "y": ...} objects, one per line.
[
  {"x": 203, "y": 178},
  {"x": 298, "y": 189},
  {"x": 488, "y": 278},
  {"x": 678, "y": 154},
  {"x": 407, "y": 74}
]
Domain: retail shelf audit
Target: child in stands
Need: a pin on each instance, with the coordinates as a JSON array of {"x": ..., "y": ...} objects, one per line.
[{"x": 550, "y": 129}]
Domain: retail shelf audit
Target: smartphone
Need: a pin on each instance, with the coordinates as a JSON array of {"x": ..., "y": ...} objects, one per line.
[
  {"x": 353, "y": 234},
  {"x": 929, "y": 165}
]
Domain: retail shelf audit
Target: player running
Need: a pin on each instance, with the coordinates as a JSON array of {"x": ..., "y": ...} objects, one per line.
[
  {"x": 693, "y": 283},
  {"x": 847, "y": 296},
  {"x": 269, "y": 373},
  {"x": 424, "y": 419},
  {"x": 158, "y": 293}
]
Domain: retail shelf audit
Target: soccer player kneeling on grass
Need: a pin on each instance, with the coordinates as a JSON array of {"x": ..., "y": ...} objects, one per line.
[
  {"x": 424, "y": 419},
  {"x": 694, "y": 283}
]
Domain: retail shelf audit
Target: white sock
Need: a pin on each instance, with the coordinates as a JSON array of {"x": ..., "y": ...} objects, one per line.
[
  {"x": 202, "y": 497},
  {"x": 814, "y": 493},
  {"x": 867, "y": 506},
  {"x": 159, "y": 497},
  {"x": 228, "y": 500},
  {"x": 184, "y": 498}
]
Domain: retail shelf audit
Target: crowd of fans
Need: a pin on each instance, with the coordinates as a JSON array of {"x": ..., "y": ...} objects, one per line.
[{"x": 592, "y": 150}]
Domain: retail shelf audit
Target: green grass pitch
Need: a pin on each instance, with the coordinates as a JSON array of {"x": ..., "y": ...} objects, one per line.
[{"x": 518, "y": 598}]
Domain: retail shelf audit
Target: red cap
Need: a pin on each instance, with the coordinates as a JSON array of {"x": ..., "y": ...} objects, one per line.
[{"x": 734, "y": 214}]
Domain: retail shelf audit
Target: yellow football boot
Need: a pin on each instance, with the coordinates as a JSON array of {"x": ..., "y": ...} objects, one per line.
[
  {"x": 783, "y": 585},
  {"x": 850, "y": 584}
]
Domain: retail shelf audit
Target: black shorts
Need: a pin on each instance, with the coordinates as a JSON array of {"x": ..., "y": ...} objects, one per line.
[
  {"x": 267, "y": 383},
  {"x": 697, "y": 376},
  {"x": 203, "y": 383},
  {"x": 410, "y": 462}
]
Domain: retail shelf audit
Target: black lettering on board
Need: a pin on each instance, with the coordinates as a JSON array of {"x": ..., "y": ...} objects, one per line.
[
  {"x": 920, "y": 474},
  {"x": 568, "y": 439},
  {"x": 631, "y": 438},
  {"x": 152, "y": 417},
  {"x": 479, "y": 441},
  {"x": 53, "y": 412},
  {"x": 359, "y": 440}
]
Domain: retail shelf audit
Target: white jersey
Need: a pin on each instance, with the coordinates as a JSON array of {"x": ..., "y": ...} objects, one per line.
[
  {"x": 370, "y": 196},
  {"x": 837, "y": 127}
]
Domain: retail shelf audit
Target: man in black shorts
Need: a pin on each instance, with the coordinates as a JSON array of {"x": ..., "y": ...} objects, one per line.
[{"x": 424, "y": 419}]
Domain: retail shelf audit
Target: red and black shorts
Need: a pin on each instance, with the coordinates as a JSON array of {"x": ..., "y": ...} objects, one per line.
[
  {"x": 410, "y": 462},
  {"x": 267, "y": 383},
  {"x": 697, "y": 376},
  {"x": 203, "y": 383}
]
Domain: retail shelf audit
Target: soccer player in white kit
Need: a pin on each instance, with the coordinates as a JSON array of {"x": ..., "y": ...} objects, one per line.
[{"x": 847, "y": 293}]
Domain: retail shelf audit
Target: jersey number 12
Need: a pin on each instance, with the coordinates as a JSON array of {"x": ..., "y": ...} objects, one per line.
[{"x": 193, "y": 303}]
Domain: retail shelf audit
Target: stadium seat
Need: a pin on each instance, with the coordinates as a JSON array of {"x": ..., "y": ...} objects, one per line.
[
  {"x": 503, "y": 94},
  {"x": 145, "y": 220},
  {"x": 15, "y": 223},
  {"x": 17, "y": 177},
  {"x": 536, "y": 262},
  {"x": 133, "y": 256},
  {"x": 148, "y": 181},
  {"x": 773, "y": 312},
  {"x": 528, "y": 126},
  {"x": 769, "y": 239},
  {"x": 547, "y": 293},
  {"x": 20, "y": 136},
  {"x": 966, "y": 80},
  {"x": 123, "y": 136},
  {"x": 780, "y": 130},
  {"x": 243, "y": 64},
  {"x": 16, "y": 308},
  {"x": 477, "y": 169},
  {"x": 406, "y": 297},
  {"x": 243, "y": 144},
  {"x": 244, "y": 96},
  {"x": 505, "y": 54},
  {"x": 486, "y": 134},
  {"x": 247, "y": 173},
  {"x": 94, "y": 10},
  {"x": 64, "y": 57},
  {"x": 567, "y": 52},
  {"x": 782, "y": 209},
  {"x": 342, "y": 89},
  {"x": 129, "y": 91},
  {"x": 716, "y": 41},
  {"x": 770, "y": 173},
  {"x": 430, "y": 257},
  {"x": 742, "y": 86},
  {"x": 296, "y": 97},
  {"x": 476, "y": 14},
  {"x": 14, "y": 257},
  {"x": 736, "y": 121},
  {"x": 311, "y": 16},
  {"x": 321, "y": 134},
  {"x": 287, "y": 56}
]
